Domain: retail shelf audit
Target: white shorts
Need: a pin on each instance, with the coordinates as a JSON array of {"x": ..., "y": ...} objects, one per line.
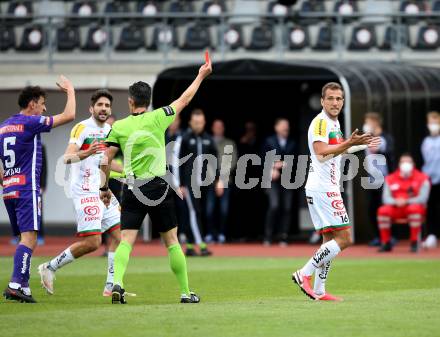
[
  {"x": 93, "y": 217},
  {"x": 327, "y": 211}
]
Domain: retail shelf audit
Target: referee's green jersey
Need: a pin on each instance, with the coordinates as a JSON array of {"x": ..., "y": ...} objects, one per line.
[{"x": 141, "y": 139}]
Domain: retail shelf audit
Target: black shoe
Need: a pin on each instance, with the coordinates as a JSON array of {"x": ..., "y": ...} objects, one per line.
[
  {"x": 205, "y": 252},
  {"x": 118, "y": 295},
  {"x": 414, "y": 247},
  {"x": 374, "y": 243},
  {"x": 18, "y": 295},
  {"x": 191, "y": 252},
  {"x": 385, "y": 248},
  {"x": 193, "y": 298}
]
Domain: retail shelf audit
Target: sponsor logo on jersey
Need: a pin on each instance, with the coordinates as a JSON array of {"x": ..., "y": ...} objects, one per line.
[
  {"x": 339, "y": 213},
  {"x": 14, "y": 181},
  {"x": 394, "y": 187},
  {"x": 12, "y": 171},
  {"x": 333, "y": 194},
  {"x": 320, "y": 128},
  {"x": 12, "y": 128},
  {"x": 333, "y": 174},
  {"x": 11, "y": 195},
  {"x": 338, "y": 204},
  {"x": 92, "y": 210},
  {"x": 45, "y": 120},
  {"x": 89, "y": 200}
]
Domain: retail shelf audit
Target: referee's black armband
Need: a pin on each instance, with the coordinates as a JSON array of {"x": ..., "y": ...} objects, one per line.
[
  {"x": 169, "y": 111},
  {"x": 103, "y": 189}
]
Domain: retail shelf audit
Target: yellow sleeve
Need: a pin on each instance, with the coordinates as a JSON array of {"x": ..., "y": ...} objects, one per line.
[
  {"x": 76, "y": 135},
  {"x": 320, "y": 130}
]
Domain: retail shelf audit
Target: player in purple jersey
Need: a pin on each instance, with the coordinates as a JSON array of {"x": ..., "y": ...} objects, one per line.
[{"x": 20, "y": 155}]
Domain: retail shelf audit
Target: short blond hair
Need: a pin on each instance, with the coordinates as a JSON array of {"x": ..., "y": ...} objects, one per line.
[{"x": 331, "y": 86}]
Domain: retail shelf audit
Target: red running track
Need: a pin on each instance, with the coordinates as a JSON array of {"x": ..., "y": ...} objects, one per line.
[{"x": 54, "y": 245}]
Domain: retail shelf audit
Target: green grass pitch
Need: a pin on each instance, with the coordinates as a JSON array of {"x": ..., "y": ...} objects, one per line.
[{"x": 240, "y": 297}]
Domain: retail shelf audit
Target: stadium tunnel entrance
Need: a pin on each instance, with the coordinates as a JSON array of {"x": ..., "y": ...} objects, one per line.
[{"x": 245, "y": 90}]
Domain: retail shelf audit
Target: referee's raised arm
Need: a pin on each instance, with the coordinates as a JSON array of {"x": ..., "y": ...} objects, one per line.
[{"x": 204, "y": 71}]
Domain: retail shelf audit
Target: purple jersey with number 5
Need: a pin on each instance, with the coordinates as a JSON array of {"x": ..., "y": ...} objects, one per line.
[{"x": 20, "y": 152}]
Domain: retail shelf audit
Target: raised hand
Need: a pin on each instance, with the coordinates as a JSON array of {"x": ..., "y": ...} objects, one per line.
[
  {"x": 64, "y": 84},
  {"x": 206, "y": 69}
]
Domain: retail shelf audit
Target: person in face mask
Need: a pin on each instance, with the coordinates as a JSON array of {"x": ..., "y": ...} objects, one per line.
[
  {"x": 431, "y": 157},
  {"x": 373, "y": 124},
  {"x": 405, "y": 194}
]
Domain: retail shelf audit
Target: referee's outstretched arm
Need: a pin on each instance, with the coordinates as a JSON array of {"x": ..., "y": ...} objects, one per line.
[{"x": 189, "y": 93}]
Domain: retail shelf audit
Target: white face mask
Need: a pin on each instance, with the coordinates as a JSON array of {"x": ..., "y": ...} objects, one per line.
[
  {"x": 434, "y": 128},
  {"x": 406, "y": 168},
  {"x": 366, "y": 128}
]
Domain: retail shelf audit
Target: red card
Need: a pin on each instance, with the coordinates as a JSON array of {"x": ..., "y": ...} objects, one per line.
[{"x": 207, "y": 56}]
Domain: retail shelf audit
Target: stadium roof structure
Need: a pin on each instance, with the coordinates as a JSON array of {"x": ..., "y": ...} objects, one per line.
[{"x": 401, "y": 93}]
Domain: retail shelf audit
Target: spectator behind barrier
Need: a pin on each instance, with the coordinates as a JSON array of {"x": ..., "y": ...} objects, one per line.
[
  {"x": 405, "y": 194},
  {"x": 373, "y": 124},
  {"x": 431, "y": 157},
  {"x": 227, "y": 155},
  {"x": 279, "y": 198}
]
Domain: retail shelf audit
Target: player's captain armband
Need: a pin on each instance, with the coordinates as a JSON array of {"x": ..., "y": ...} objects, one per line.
[
  {"x": 169, "y": 111},
  {"x": 356, "y": 148},
  {"x": 320, "y": 128},
  {"x": 76, "y": 131}
]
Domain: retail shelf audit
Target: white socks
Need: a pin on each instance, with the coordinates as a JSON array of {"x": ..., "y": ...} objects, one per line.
[
  {"x": 320, "y": 278},
  {"x": 324, "y": 254},
  {"x": 110, "y": 269},
  {"x": 61, "y": 260}
]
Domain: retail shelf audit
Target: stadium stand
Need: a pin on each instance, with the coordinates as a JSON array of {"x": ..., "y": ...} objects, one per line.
[
  {"x": 298, "y": 38},
  {"x": 240, "y": 27},
  {"x": 33, "y": 38},
  {"x": 68, "y": 38}
]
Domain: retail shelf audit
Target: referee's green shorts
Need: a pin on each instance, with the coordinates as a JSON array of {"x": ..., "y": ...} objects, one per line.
[{"x": 154, "y": 198}]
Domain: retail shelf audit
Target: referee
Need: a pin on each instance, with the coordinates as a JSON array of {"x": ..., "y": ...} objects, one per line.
[{"x": 141, "y": 138}]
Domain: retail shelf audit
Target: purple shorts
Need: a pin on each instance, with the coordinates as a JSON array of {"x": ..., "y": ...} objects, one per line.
[{"x": 24, "y": 210}]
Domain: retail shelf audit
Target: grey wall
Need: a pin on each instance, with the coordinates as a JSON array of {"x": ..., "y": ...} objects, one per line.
[{"x": 57, "y": 208}]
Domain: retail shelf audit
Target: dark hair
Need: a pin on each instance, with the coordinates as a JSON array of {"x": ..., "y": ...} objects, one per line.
[
  {"x": 374, "y": 116},
  {"x": 331, "y": 86},
  {"x": 101, "y": 93},
  {"x": 29, "y": 94},
  {"x": 140, "y": 93},
  {"x": 197, "y": 112}
]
